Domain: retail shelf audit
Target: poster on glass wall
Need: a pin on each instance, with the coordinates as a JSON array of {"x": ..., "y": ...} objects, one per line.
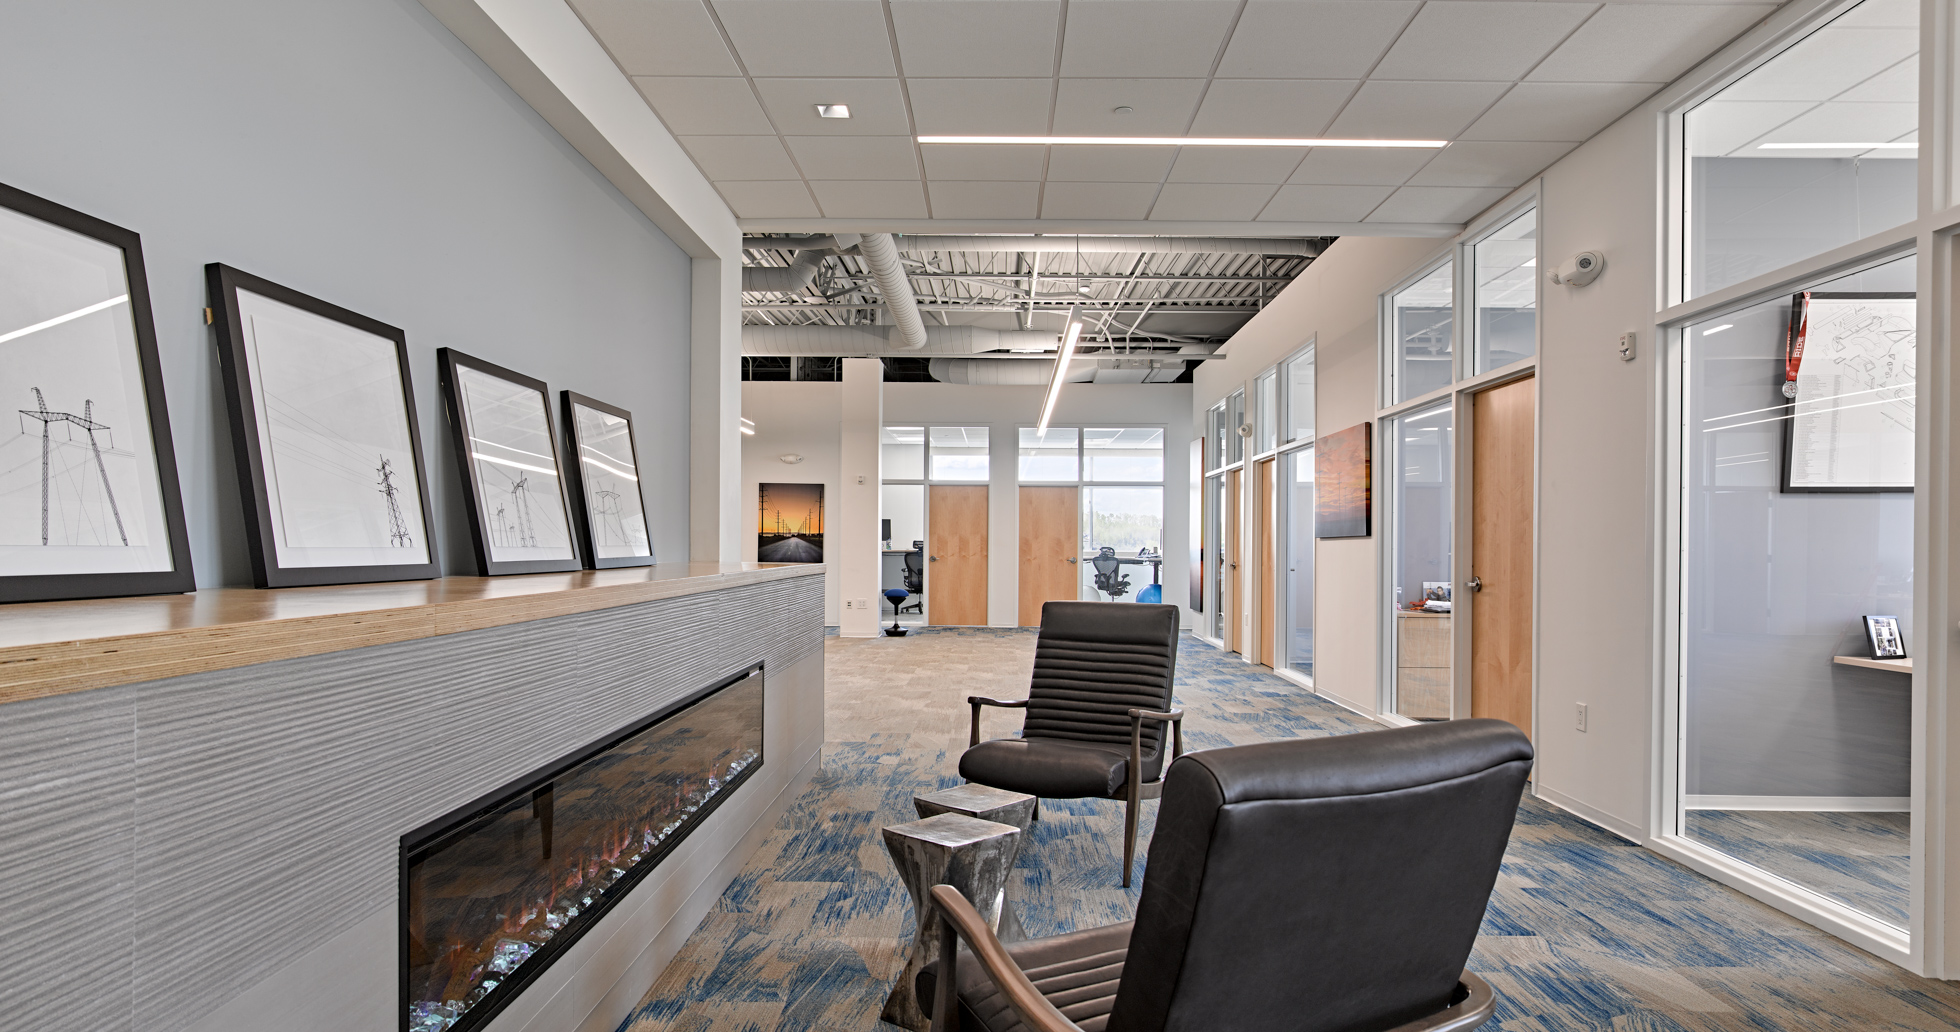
[
  {"x": 1341, "y": 472},
  {"x": 605, "y": 469},
  {"x": 324, "y": 434},
  {"x": 89, "y": 505},
  {"x": 789, "y": 523},
  {"x": 1848, "y": 375},
  {"x": 520, "y": 515}
]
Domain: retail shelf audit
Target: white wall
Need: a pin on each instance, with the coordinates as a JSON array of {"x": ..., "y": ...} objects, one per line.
[{"x": 799, "y": 418}]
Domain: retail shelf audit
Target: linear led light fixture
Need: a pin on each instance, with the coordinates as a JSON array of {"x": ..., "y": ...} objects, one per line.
[
  {"x": 1183, "y": 141},
  {"x": 1062, "y": 359},
  {"x": 748, "y": 425},
  {"x": 1907, "y": 145}
]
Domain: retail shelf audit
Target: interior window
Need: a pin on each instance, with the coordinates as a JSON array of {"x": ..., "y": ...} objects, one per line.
[
  {"x": 1507, "y": 293},
  {"x": 1425, "y": 334}
]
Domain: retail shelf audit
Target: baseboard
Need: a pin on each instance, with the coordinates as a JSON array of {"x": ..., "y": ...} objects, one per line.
[
  {"x": 1835, "y": 804},
  {"x": 1590, "y": 815}
]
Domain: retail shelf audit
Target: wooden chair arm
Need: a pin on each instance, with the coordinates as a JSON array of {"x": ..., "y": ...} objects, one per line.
[
  {"x": 958, "y": 920},
  {"x": 1176, "y": 719},
  {"x": 977, "y": 701}
]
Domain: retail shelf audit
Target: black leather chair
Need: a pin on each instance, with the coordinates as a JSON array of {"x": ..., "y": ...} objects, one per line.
[
  {"x": 1097, "y": 706},
  {"x": 915, "y": 580},
  {"x": 1317, "y": 885}
]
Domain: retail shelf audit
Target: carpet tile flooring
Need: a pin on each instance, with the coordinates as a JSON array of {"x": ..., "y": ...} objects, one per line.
[
  {"x": 1863, "y": 860},
  {"x": 1585, "y": 930}
]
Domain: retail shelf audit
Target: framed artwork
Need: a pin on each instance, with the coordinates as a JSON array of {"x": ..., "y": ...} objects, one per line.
[
  {"x": 1342, "y": 489},
  {"x": 89, "y": 503},
  {"x": 1849, "y": 382},
  {"x": 789, "y": 523},
  {"x": 611, "y": 515},
  {"x": 513, "y": 482},
  {"x": 1883, "y": 635},
  {"x": 324, "y": 433}
]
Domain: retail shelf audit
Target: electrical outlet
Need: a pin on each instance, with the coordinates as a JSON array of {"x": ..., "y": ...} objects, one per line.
[
  {"x": 864, "y": 603},
  {"x": 1579, "y": 719},
  {"x": 850, "y": 603}
]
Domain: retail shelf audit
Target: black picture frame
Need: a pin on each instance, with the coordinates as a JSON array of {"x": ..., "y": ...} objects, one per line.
[
  {"x": 583, "y": 517},
  {"x": 223, "y": 284},
  {"x": 450, "y": 364},
  {"x": 163, "y": 456},
  {"x": 1884, "y": 639},
  {"x": 1799, "y": 316}
]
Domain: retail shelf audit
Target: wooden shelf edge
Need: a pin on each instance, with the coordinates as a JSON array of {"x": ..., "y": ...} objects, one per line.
[
  {"x": 1901, "y": 666},
  {"x": 232, "y": 628}
]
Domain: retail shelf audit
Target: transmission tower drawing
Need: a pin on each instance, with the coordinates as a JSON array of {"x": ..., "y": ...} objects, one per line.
[
  {"x": 610, "y": 516},
  {"x": 500, "y": 527},
  {"x": 398, "y": 535},
  {"x": 89, "y": 426},
  {"x": 520, "y": 503}
]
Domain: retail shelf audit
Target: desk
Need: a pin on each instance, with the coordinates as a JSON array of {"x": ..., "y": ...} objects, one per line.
[
  {"x": 1422, "y": 664},
  {"x": 1903, "y": 666}
]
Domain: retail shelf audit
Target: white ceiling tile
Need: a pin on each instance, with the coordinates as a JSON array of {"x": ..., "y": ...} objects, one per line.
[
  {"x": 1435, "y": 204},
  {"x": 1169, "y": 37},
  {"x": 1360, "y": 166},
  {"x": 981, "y": 162},
  {"x": 976, "y": 38},
  {"x": 739, "y": 157},
  {"x": 1098, "y": 164},
  {"x": 783, "y": 200},
  {"x": 809, "y": 37},
  {"x": 877, "y": 106},
  {"x": 1646, "y": 42},
  {"x": 1895, "y": 14},
  {"x": 1489, "y": 164},
  {"x": 1898, "y": 84},
  {"x": 981, "y": 107},
  {"x": 1159, "y": 107},
  {"x": 659, "y": 37},
  {"x": 1271, "y": 107},
  {"x": 1413, "y": 110},
  {"x": 705, "y": 107},
  {"x": 855, "y": 157},
  {"x": 871, "y": 200},
  {"x": 1125, "y": 201},
  {"x": 1324, "y": 203},
  {"x": 1722, "y": 126},
  {"x": 1236, "y": 164},
  {"x": 968, "y": 200},
  {"x": 1825, "y": 63},
  {"x": 1292, "y": 39},
  {"x": 1558, "y": 111},
  {"x": 1479, "y": 40},
  {"x": 1210, "y": 202}
]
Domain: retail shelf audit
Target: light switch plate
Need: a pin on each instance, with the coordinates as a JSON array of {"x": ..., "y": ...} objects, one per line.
[
  {"x": 1579, "y": 720},
  {"x": 1626, "y": 347}
]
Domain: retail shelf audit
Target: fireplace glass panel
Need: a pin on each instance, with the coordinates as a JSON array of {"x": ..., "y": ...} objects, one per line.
[{"x": 493, "y": 898}]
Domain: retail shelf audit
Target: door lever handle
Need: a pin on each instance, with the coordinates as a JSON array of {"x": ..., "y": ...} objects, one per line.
[
  {"x": 1475, "y": 583},
  {"x": 933, "y": 559},
  {"x": 1071, "y": 558}
]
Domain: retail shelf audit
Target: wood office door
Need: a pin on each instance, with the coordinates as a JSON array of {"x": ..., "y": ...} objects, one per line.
[
  {"x": 1228, "y": 567},
  {"x": 1051, "y": 569},
  {"x": 956, "y": 555},
  {"x": 1501, "y": 521},
  {"x": 1262, "y": 498}
]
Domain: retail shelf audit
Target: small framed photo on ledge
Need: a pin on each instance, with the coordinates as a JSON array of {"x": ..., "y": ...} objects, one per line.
[
  {"x": 605, "y": 482},
  {"x": 1882, "y": 633},
  {"x": 507, "y": 448}
]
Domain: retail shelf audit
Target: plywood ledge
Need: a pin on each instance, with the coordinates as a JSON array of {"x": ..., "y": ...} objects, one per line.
[{"x": 52, "y": 648}]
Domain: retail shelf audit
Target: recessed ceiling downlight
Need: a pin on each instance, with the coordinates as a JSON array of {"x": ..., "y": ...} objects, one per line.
[{"x": 833, "y": 111}]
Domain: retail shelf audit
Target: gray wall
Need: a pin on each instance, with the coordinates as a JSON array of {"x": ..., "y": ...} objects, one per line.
[{"x": 358, "y": 152}]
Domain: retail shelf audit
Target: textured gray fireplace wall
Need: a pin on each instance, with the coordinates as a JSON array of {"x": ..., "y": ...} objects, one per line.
[{"x": 171, "y": 845}]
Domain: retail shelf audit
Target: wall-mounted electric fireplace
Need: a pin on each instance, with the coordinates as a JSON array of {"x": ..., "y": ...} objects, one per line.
[{"x": 494, "y": 892}]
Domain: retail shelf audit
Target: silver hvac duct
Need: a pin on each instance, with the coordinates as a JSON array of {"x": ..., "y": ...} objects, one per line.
[
  {"x": 1309, "y": 247},
  {"x": 881, "y": 257},
  {"x": 802, "y": 270},
  {"x": 875, "y": 341}
]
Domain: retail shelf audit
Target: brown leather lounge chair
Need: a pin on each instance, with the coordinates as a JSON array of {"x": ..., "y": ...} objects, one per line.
[
  {"x": 1320, "y": 885},
  {"x": 1097, "y": 706}
]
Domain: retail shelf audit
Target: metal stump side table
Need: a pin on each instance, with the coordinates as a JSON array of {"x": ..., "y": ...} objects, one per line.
[
  {"x": 988, "y": 804},
  {"x": 965, "y": 852}
]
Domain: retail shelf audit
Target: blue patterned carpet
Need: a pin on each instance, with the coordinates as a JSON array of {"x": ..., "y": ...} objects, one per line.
[{"x": 1585, "y": 930}]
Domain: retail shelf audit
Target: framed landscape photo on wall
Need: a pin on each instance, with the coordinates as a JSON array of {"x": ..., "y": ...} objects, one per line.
[
  {"x": 324, "y": 435},
  {"x": 1850, "y": 380},
  {"x": 513, "y": 479},
  {"x": 789, "y": 523},
  {"x": 605, "y": 484},
  {"x": 1342, "y": 490},
  {"x": 89, "y": 502}
]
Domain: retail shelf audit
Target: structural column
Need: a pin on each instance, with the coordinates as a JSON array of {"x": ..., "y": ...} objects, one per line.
[{"x": 852, "y": 547}]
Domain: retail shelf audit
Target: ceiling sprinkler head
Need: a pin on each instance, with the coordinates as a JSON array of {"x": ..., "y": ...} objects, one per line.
[{"x": 1124, "y": 110}]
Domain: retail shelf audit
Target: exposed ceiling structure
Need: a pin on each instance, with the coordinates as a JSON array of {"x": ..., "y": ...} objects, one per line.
[{"x": 1513, "y": 86}]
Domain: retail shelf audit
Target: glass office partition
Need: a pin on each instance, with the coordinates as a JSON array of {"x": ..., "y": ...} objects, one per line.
[
  {"x": 1267, "y": 411},
  {"x": 1797, "y": 620},
  {"x": 903, "y": 452},
  {"x": 1050, "y": 456},
  {"x": 1424, "y": 344},
  {"x": 1129, "y": 523},
  {"x": 1299, "y": 507},
  {"x": 1814, "y": 149},
  {"x": 1215, "y": 437},
  {"x": 1234, "y": 418},
  {"x": 1298, "y": 370},
  {"x": 1420, "y": 446},
  {"x": 959, "y": 453},
  {"x": 1506, "y": 294},
  {"x": 905, "y": 506},
  {"x": 1122, "y": 454}
]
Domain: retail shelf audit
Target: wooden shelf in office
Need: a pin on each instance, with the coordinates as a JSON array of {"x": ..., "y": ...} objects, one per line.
[
  {"x": 52, "y": 648},
  {"x": 1903, "y": 666}
]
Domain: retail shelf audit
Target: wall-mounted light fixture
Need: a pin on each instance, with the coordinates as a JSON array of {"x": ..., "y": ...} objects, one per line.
[
  {"x": 1069, "y": 338},
  {"x": 791, "y": 459}
]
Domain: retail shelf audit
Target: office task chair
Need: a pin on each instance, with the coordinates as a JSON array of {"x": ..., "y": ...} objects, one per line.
[
  {"x": 897, "y": 597},
  {"x": 1110, "y": 580},
  {"x": 1315, "y": 885},
  {"x": 915, "y": 578},
  {"x": 1101, "y": 673}
]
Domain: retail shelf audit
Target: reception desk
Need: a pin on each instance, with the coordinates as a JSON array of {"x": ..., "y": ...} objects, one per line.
[{"x": 205, "y": 794}]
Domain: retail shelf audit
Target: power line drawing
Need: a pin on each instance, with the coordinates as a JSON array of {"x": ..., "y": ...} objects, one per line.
[
  {"x": 520, "y": 499},
  {"x": 609, "y": 516},
  {"x": 89, "y": 426},
  {"x": 398, "y": 535}
]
